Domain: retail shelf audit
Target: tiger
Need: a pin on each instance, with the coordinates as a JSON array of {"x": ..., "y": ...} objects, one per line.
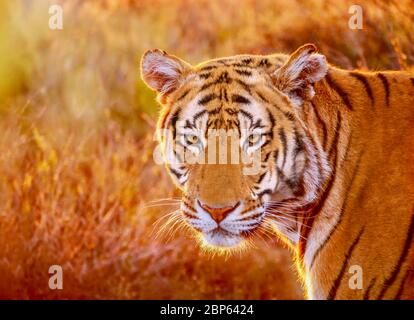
[{"x": 335, "y": 179}]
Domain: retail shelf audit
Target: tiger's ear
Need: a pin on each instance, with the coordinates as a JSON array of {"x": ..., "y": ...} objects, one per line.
[
  {"x": 297, "y": 76},
  {"x": 162, "y": 72}
]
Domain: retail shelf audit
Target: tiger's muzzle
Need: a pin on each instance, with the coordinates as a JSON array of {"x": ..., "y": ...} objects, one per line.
[{"x": 223, "y": 226}]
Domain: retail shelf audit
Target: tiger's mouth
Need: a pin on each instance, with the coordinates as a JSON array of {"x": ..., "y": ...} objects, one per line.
[
  {"x": 223, "y": 226},
  {"x": 222, "y": 238}
]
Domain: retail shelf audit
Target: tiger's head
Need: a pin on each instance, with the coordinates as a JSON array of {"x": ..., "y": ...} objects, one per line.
[{"x": 233, "y": 138}]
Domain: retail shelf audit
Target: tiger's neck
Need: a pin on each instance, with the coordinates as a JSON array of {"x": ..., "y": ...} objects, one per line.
[
  {"x": 327, "y": 121},
  {"x": 329, "y": 116}
]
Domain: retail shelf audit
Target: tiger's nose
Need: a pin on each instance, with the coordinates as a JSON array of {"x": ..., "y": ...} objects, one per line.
[{"x": 218, "y": 214}]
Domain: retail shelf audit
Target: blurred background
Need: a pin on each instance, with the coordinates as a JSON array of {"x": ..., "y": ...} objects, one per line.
[{"x": 78, "y": 184}]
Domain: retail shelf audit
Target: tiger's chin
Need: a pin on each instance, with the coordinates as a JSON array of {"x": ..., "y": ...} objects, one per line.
[{"x": 222, "y": 239}]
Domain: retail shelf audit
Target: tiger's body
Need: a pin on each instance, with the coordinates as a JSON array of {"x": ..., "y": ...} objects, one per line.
[
  {"x": 365, "y": 216},
  {"x": 336, "y": 178}
]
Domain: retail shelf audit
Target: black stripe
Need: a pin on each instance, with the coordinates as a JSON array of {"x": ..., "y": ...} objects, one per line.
[
  {"x": 239, "y": 99},
  {"x": 322, "y": 124},
  {"x": 265, "y": 144},
  {"x": 266, "y": 191},
  {"x": 244, "y": 85},
  {"x": 254, "y": 216},
  {"x": 189, "y": 215},
  {"x": 229, "y": 124},
  {"x": 176, "y": 173},
  {"x": 188, "y": 125},
  {"x": 267, "y": 156},
  {"x": 341, "y": 212},
  {"x": 215, "y": 111},
  {"x": 401, "y": 288},
  {"x": 247, "y": 114},
  {"x": 276, "y": 156},
  {"x": 335, "y": 139},
  {"x": 205, "y": 75},
  {"x": 206, "y": 99},
  {"x": 272, "y": 121},
  {"x": 190, "y": 207},
  {"x": 292, "y": 183},
  {"x": 198, "y": 115},
  {"x": 360, "y": 77},
  {"x": 224, "y": 78},
  {"x": 264, "y": 63},
  {"x": 261, "y": 177},
  {"x": 390, "y": 280},
  {"x": 173, "y": 121},
  {"x": 207, "y": 85},
  {"x": 371, "y": 285},
  {"x": 258, "y": 124},
  {"x": 243, "y": 72},
  {"x": 223, "y": 95},
  {"x": 412, "y": 81},
  {"x": 299, "y": 147},
  {"x": 289, "y": 115},
  {"x": 231, "y": 111},
  {"x": 185, "y": 93},
  {"x": 339, "y": 91},
  {"x": 337, "y": 282},
  {"x": 192, "y": 210},
  {"x": 298, "y": 143},
  {"x": 247, "y": 60},
  {"x": 321, "y": 202},
  {"x": 386, "y": 87},
  {"x": 262, "y": 97},
  {"x": 209, "y": 67},
  {"x": 240, "y": 65},
  {"x": 282, "y": 136}
]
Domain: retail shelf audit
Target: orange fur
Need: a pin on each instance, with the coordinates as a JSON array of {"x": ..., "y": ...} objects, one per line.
[{"x": 357, "y": 128}]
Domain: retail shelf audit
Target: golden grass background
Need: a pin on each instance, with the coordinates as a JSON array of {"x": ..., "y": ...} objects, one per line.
[{"x": 76, "y": 171}]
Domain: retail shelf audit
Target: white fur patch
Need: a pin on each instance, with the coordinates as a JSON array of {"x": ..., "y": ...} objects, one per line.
[
  {"x": 315, "y": 66},
  {"x": 299, "y": 75},
  {"x": 160, "y": 71}
]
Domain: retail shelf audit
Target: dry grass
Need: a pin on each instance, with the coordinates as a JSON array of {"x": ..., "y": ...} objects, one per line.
[
  {"x": 78, "y": 200},
  {"x": 76, "y": 169}
]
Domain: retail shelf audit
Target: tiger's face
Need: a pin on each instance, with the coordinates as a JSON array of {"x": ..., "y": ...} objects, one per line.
[{"x": 232, "y": 137}]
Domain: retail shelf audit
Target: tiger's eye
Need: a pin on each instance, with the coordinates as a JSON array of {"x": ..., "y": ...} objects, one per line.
[
  {"x": 253, "y": 139},
  {"x": 192, "y": 139}
]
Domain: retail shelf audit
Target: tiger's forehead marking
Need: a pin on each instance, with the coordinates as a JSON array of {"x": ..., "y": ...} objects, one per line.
[
  {"x": 225, "y": 87},
  {"x": 244, "y": 61},
  {"x": 228, "y": 75},
  {"x": 243, "y": 71},
  {"x": 224, "y": 109}
]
